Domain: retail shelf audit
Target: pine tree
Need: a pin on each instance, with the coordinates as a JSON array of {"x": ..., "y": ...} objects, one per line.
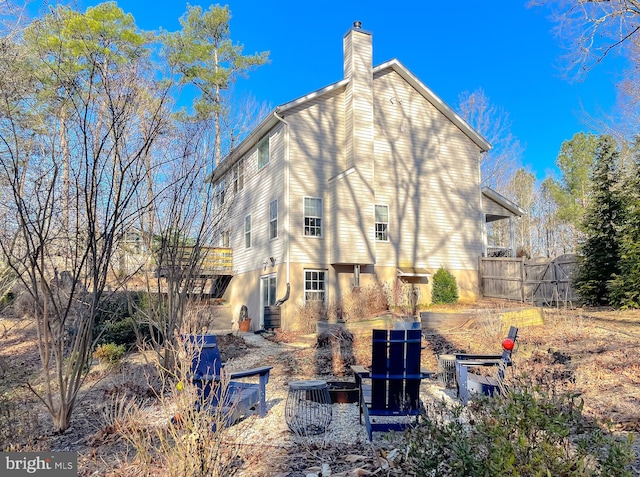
[
  {"x": 624, "y": 289},
  {"x": 600, "y": 251}
]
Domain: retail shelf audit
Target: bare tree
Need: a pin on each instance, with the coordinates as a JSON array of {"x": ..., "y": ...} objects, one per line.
[
  {"x": 96, "y": 62},
  {"x": 497, "y": 166},
  {"x": 593, "y": 29},
  {"x": 187, "y": 212}
]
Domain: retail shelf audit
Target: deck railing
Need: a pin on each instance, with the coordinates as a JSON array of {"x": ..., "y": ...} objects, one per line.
[{"x": 211, "y": 260}]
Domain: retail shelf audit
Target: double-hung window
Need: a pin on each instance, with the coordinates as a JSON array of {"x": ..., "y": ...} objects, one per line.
[
  {"x": 263, "y": 153},
  {"x": 382, "y": 223},
  {"x": 273, "y": 219},
  {"x": 312, "y": 217},
  {"x": 314, "y": 285},
  {"x": 225, "y": 238},
  {"x": 247, "y": 231},
  {"x": 238, "y": 176},
  {"x": 219, "y": 194}
]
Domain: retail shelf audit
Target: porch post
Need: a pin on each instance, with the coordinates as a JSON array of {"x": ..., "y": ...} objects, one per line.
[
  {"x": 484, "y": 235},
  {"x": 512, "y": 235}
]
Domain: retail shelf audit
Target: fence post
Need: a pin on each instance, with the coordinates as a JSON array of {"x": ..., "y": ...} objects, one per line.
[
  {"x": 480, "y": 281},
  {"x": 523, "y": 277}
]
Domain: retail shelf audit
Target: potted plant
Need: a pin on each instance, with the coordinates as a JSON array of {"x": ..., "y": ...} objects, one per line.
[{"x": 244, "y": 324}]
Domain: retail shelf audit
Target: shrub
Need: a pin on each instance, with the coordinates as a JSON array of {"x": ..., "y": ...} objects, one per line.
[
  {"x": 445, "y": 289},
  {"x": 309, "y": 314},
  {"x": 365, "y": 302},
  {"x": 525, "y": 433},
  {"x": 109, "y": 353},
  {"x": 7, "y": 299},
  {"x": 116, "y": 321}
]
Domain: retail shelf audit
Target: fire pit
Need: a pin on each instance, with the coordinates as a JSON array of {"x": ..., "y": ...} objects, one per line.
[{"x": 342, "y": 392}]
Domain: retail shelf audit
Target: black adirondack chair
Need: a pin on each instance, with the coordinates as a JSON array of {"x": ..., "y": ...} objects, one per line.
[
  {"x": 392, "y": 387},
  {"x": 470, "y": 382},
  {"x": 235, "y": 398}
]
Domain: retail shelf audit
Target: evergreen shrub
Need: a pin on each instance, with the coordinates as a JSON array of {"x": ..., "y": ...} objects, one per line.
[
  {"x": 445, "y": 288},
  {"x": 525, "y": 433}
]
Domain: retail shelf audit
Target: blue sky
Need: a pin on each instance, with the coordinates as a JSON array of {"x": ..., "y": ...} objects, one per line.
[{"x": 501, "y": 46}]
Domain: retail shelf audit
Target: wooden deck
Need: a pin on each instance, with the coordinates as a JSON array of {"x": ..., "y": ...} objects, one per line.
[
  {"x": 211, "y": 273},
  {"x": 212, "y": 262}
]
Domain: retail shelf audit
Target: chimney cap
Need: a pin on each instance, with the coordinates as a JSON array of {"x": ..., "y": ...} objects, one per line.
[{"x": 357, "y": 24}]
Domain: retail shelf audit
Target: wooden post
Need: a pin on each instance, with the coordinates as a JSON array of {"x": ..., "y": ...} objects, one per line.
[
  {"x": 480, "y": 281},
  {"x": 523, "y": 277},
  {"x": 512, "y": 235}
]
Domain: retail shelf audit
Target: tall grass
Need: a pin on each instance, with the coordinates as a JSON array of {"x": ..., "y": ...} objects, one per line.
[{"x": 191, "y": 439}]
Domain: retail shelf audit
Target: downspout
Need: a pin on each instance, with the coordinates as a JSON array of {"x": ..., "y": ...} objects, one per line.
[{"x": 287, "y": 220}]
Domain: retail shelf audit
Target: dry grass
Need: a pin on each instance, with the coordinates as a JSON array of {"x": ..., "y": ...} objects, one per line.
[{"x": 593, "y": 353}]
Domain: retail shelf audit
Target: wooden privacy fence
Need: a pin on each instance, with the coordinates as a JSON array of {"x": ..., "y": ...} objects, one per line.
[{"x": 541, "y": 281}]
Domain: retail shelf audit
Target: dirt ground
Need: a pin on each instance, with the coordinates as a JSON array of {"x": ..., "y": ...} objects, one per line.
[{"x": 593, "y": 353}]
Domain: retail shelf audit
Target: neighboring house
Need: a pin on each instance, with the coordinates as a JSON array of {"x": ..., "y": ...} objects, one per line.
[{"x": 370, "y": 179}]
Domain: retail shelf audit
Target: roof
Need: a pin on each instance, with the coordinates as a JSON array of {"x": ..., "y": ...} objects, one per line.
[
  {"x": 280, "y": 111},
  {"x": 503, "y": 201},
  {"x": 413, "y": 272}
]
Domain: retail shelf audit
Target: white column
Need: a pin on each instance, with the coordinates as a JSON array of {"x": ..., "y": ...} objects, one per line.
[
  {"x": 484, "y": 235},
  {"x": 512, "y": 235}
]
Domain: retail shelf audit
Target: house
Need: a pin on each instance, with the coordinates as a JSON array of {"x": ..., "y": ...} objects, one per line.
[{"x": 371, "y": 179}]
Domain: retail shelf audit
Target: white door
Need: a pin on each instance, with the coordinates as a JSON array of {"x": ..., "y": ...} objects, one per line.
[{"x": 267, "y": 294}]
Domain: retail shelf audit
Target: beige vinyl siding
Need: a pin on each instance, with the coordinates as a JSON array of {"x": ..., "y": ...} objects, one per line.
[
  {"x": 260, "y": 188},
  {"x": 316, "y": 150},
  {"x": 353, "y": 220},
  {"x": 351, "y": 240},
  {"x": 430, "y": 181}
]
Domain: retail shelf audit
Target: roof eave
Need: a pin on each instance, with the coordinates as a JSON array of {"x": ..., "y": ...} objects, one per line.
[
  {"x": 313, "y": 95},
  {"x": 503, "y": 201},
  {"x": 272, "y": 119},
  {"x": 267, "y": 124}
]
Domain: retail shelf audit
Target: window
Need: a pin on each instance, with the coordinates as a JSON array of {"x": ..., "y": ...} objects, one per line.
[
  {"x": 225, "y": 238},
  {"x": 273, "y": 219},
  {"x": 312, "y": 217},
  {"x": 238, "y": 176},
  {"x": 314, "y": 289},
  {"x": 263, "y": 153},
  {"x": 219, "y": 194},
  {"x": 382, "y": 223},
  {"x": 247, "y": 231}
]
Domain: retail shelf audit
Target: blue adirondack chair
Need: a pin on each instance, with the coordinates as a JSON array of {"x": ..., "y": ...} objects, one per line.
[
  {"x": 238, "y": 398},
  {"x": 469, "y": 382},
  {"x": 392, "y": 387}
]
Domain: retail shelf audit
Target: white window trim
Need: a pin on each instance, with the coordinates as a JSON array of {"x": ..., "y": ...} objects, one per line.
[
  {"x": 272, "y": 220},
  {"x": 245, "y": 233},
  {"x": 324, "y": 281},
  {"x": 321, "y": 217},
  {"x": 262, "y": 141},
  {"x": 220, "y": 193},
  {"x": 375, "y": 223},
  {"x": 238, "y": 176}
]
